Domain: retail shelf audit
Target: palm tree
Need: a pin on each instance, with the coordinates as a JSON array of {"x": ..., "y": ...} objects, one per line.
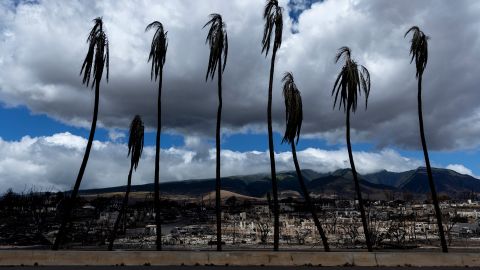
[
  {"x": 97, "y": 58},
  {"x": 135, "y": 147},
  {"x": 218, "y": 41},
  {"x": 273, "y": 18},
  {"x": 294, "y": 117},
  {"x": 158, "y": 52},
  {"x": 350, "y": 82},
  {"x": 419, "y": 52}
]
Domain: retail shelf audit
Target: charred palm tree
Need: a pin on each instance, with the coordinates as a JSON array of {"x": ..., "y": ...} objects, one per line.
[
  {"x": 419, "y": 52},
  {"x": 273, "y": 19},
  {"x": 294, "y": 118},
  {"x": 158, "y": 52},
  {"x": 135, "y": 148},
  {"x": 350, "y": 82},
  {"x": 218, "y": 42},
  {"x": 97, "y": 58}
]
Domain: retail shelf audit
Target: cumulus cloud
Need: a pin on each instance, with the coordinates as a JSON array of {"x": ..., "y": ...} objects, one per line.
[
  {"x": 461, "y": 169},
  {"x": 52, "y": 163},
  {"x": 115, "y": 135},
  {"x": 42, "y": 46}
]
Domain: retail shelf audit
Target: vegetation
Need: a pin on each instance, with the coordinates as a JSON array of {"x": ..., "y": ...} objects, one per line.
[
  {"x": 135, "y": 148},
  {"x": 273, "y": 19},
  {"x": 158, "y": 52},
  {"x": 419, "y": 52},
  {"x": 97, "y": 58},
  {"x": 294, "y": 117},
  {"x": 350, "y": 82},
  {"x": 218, "y": 42}
]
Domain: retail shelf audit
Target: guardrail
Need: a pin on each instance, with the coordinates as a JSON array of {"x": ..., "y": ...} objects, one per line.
[{"x": 237, "y": 258}]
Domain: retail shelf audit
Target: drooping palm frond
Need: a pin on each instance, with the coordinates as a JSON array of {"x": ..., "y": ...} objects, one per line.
[
  {"x": 418, "y": 49},
  {"x": 293, "y": 109},
  {"x": 135, "y": 140},
  {"x": 97, "y": 56},
  {"x": 350, "y": 82},
  {"x": 158, "y": 48},
  {"x": 217, "y": 39},
  {"x": 273, "y": 17}
]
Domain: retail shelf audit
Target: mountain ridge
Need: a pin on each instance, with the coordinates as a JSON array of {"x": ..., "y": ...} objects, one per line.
[{"x": 340, "y": 182}]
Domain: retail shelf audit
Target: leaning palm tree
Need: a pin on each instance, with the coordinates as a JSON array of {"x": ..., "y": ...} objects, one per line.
[
  {"x": 294, "y": 117},
  {"x": 158, "y": 52},
  {"x": 350, "y": 82},
  {"x": 97, "y": 58},
  {"x": 218, "y": 42},
  {"x": 135, "y": 148},
  {"x": 273, "y": 19},
  {"x": 419, "y": 52}
]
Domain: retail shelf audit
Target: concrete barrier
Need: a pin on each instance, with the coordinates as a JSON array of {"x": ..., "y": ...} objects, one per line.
[{"x": 237, "y": 258}]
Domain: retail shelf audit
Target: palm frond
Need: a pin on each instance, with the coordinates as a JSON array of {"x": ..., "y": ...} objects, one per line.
[
  {"x": 158, "y": 48},
  {"x": 342, "y": 51},
  {"x": 217, "y": 39},
  {"x": 98, "y": 55},
  {"x": 273, "y": 18},
  {"x": 135, "y": 140},
  {"x": 350, "y": 82},
  {"x": 293, "y": 109},
  {"x": 418, "y": 49}
]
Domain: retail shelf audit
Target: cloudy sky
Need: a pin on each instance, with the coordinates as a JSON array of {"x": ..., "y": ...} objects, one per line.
[{"x": 45, "y": 110}]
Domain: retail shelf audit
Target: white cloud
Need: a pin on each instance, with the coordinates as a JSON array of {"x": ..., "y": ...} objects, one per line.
[
  {"x": 42, "y": 47},
  {"x": 116, "y": 135},
  {"x": 461, "y": 169},
  {"x": 53, "y": 162}
]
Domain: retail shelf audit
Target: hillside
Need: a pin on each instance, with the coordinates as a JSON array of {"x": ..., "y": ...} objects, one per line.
[{"x": 339, "y": 182}]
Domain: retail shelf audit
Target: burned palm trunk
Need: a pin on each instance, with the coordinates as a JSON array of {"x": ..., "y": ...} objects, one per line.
[
  {"x": 158, "y": 52},
  {"x": 357, "y": 186},
  {"x": 158, "y": 220},
  {"x": 122, "y": 212},
  {"x": 218, "y": 206},
  {"x": 438, "y": 212},
  {"x": 66, "y": 216},
  {"x": 218, "y": 42},
  {"x": 308, "y": 200},
  {"x": 419, "y": 53},
  {"x": 96, "y": 59},
  {"x": 273, "y": 25},
  {"x": 352, "y": 80},
  {"x": 276, "y": 210}
]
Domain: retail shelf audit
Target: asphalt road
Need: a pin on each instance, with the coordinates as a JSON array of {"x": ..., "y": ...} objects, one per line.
[{"x": 223, "y": 268}]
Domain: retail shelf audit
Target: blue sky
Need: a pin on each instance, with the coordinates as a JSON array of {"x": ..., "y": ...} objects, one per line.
[
  {"x": 42, "y": 97},
  {"x": 22, "y": 122}
]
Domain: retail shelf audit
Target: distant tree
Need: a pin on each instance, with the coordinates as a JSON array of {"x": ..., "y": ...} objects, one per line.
[
  {"x": 135, "y": 148},
  {"x": 263, "y": 229},
  {"x": 218, "y": 42},
  {"x": 419, "y": 52},
  {"x": 294, "y": 117},
  {"x": 158, "y": 52},
  {"x": 97, "y": 58},
  {"x": 273, "y": 19},
  {"x": 350, "y": 82},
  {"x": 231, "y": 202},
  {"x": 270, "y": 204}
]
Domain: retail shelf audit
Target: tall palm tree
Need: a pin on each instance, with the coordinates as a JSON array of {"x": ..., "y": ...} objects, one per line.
[
  {"x": 218, "y": 42},
  {"x": 135, "y": 147},
  {"x": 294, "y": 118},
  {"x": 158, "y": 52},
  {"x": 273, "y": 19},
  {"x": 419, "y": 52},
  {"x": 97, "y": 58},
  {"x": 350, "y": 82}
]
